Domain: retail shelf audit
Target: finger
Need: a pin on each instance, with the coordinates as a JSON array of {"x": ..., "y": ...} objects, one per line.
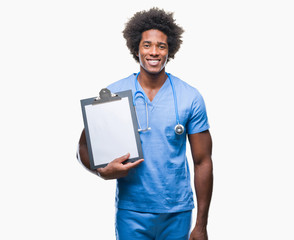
[
  {"x": 100, "y": 170},
  {"x": 122, "y": 158},
  {"x": 130, "y": 165}
]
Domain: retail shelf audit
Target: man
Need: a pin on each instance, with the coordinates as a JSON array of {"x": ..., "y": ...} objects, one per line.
[{"x": 154, "y": 199}]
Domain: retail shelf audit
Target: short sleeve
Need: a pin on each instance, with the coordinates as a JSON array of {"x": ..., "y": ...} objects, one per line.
[{"x": 198, "y": 121}]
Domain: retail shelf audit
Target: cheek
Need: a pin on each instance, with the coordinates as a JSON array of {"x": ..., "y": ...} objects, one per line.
[
  {"x": 165, "y": 61},
  {"x": 142, "y": 63}
]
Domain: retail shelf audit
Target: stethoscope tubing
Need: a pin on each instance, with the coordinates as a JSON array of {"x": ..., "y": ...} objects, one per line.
[
  {"x": 134, "y": 103},
  {"x": 175, "y": 99},
  {"x": 142, "y": 94}
]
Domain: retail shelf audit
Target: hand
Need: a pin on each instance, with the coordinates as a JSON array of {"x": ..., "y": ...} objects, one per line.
[
  {"x": 116, "y": 169},
  {"x": 199, "y": 233}
]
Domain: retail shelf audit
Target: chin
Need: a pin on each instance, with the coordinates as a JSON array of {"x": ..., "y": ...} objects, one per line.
[{"x": 154, "y": 71}]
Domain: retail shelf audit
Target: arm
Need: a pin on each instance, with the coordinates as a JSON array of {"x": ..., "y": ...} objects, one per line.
[
  {"x": 82, "y": 154},
  {"x": 114, "y": 170},
  {"x": 201, "y": 148}
]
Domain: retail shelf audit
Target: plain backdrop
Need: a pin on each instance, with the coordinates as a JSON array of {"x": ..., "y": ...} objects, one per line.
[{"x": 239, "y": 54}]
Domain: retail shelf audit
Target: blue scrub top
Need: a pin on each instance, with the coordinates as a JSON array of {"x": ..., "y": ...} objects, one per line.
[{"x": 161, "y": 184}]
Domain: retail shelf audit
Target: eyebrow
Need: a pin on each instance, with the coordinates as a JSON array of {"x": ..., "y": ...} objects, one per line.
[{"x": 160, "y": 43}]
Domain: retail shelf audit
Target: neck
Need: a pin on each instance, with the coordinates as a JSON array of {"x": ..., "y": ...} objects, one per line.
[{"x": 151, "y": 81}]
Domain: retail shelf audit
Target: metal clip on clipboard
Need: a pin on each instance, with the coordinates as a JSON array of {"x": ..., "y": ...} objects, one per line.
[{"x": 106, "y": 96}]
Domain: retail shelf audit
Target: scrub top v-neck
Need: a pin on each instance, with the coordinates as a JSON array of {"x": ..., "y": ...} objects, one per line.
[
  {"x": 157, "y": 95},
  {"x": 141, "y": 99}
]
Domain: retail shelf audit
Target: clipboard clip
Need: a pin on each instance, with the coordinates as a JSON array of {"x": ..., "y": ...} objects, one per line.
[{"x": 106, "y": 96}]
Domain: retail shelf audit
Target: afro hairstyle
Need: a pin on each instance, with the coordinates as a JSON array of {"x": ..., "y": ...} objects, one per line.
[{"x": 152, "y": 19}]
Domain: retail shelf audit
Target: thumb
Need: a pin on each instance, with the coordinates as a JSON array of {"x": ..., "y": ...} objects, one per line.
[{"x": 130, "y": 165}]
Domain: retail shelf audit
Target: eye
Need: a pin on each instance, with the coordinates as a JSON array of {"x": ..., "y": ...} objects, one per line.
[
  {"x": 162, "y": 47},
  {"x": 146, "y": 45}
]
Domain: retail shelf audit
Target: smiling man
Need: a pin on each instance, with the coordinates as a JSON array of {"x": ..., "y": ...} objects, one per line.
[
  {"x": 153, "y": 51},
  {"x": 154, "y": 198}
]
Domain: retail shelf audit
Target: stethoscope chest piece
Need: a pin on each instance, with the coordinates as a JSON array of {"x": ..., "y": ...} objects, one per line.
[{"x": 179, "y": 129}]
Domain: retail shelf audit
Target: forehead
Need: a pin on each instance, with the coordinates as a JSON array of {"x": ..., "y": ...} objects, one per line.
[{"x": 154, "y": 35}]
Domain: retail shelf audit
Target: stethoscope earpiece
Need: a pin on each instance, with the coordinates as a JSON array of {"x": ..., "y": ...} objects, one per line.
[{"x": 144, "y": 130}]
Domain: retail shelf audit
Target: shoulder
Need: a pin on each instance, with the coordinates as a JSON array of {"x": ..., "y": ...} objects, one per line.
[
  {"x": 184, "y": 89},
  {"x": 122, "y": 84},
  {"x": 192, "y": 99}
]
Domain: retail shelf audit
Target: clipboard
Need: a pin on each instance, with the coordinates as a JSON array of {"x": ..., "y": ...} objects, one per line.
[{"x": 111, "y": 128}]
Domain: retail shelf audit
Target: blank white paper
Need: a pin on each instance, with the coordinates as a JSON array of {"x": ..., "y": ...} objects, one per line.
[{"x": 111, "y": 131}]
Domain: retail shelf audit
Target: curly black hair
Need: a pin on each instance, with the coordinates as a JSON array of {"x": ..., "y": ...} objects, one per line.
[{"x": 153, "y": 19}]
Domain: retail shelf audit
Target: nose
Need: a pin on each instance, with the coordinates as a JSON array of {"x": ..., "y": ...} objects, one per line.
[{"x": 154, "y": 51}]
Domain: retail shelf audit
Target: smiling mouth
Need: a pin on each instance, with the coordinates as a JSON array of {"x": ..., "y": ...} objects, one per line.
[{"x": 153, "y": 61}]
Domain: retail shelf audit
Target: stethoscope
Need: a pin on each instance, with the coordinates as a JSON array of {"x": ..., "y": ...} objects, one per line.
[{"x": 179, "y": 128}]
